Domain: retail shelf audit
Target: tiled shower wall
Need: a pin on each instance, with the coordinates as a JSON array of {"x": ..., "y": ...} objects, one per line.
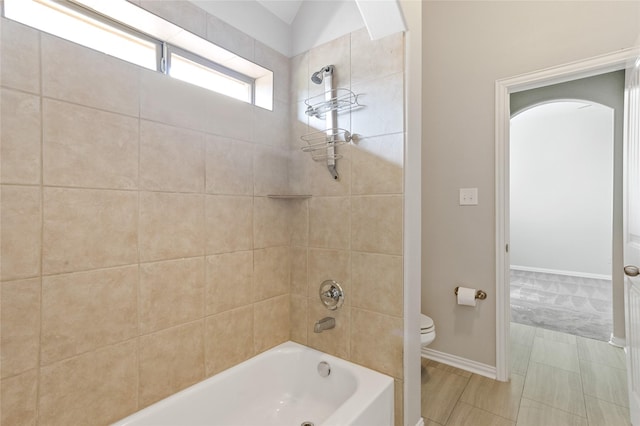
[
  {"x": 351, "y": 230},
  {"x": 140, "y": 253}
]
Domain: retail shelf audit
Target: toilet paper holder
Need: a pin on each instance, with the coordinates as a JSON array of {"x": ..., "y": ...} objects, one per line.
[{"x": 480, "y": 294}]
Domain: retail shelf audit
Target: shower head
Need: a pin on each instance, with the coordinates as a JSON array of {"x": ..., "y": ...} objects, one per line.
[{"x": 317, "y": 76}]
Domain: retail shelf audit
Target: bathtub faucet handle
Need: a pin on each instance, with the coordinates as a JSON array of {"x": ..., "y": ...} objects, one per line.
[{"x": 325, "y": 323}]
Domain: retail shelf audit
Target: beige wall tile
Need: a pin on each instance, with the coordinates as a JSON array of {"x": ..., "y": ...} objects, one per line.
[
  {"x": 184, "y": 14},
  {"x": 81, "y": 75},
  {"x": 229, "y": 281},
  {"x": 279, "y": 64},
  {"x": 229, "y": 223},
  {"x": 300, "y": 77},
  {"x": 86, "y": 229},
  {"x": 271, "y": 222},
  {"x": 299, "y": 224},
  {"x": 376, "y": 224},
  {"x": 20, "y": 57},
  {"x": 366, "y": 54},
  {"x": 398, "y": 400},
  {"x": 299, "y": 269},
  {"x": 19, "y": 399},
  {"x": 20, "y": 137},
  {"x": 298, "y": 165},
  {"x": 85, "y": 147},
  {"x": 271, "y": 269},
  {"x": 20, "y": 326},
  {"x": 229, "y": 166},
  {"x": 336, "y": 53},
  {"x": 298, "y": 317},
  {"x": 270, "y": 170},
  {"x": 229, "y": 339},
  {"x": 95, "y": 388},
  {"x": 171, "y": 159},
  {"x": 171, "y": 293},
  {"x": 377, "y": 283},
  {"x": 271, "y": 322},
  {"x": 321, "y": 181},
  {"x": 272, "y": 127},
  {"x": 171, "y": 226},
  {"x": 329, "y": 265},
  {"x": 174, "y": 102},
  {"x": 329, "y": 222},
  {"x": 376, "y": 165},
  {"x": 229, "y": 37},
  {"x": 376, "y": 341},
  {"x": 20, "y": 215},
  {"x": 170, "y": 360},
  {"x": 335, "y": 341},
  {"x": 384, "y": 111},
  {"x": 87, "y": 310}
]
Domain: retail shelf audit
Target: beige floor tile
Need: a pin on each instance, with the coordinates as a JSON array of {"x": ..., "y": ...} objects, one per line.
[
  {"x": 522, "y": 334},
  {"x": 468, "y": 415},
  {"x": 428, "y": 422},
  {"x": 520, "y": 355},
  {"x": 445, "y": 367},
  {"x": 555, "y": 354},
  {"x": 533, "y": 413},
  {"x": 601, "y": 352},
  {"x": 555, "y": 387},
  {"x": 602, "y": 413},
  {"x": 604, "y": 382},
  {"x": 555, "y": 336},
  {"x": 440, "y": 392},
  {"x": 500, "y": 398}
]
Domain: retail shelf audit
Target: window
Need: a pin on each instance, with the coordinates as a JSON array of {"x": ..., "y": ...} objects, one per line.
[
  {"x": 128, "y": 32},
  {"x": 198, "y": 71}
]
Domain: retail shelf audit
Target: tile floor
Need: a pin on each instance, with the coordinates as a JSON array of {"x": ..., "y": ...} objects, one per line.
[{"x": 557, "y": 379}]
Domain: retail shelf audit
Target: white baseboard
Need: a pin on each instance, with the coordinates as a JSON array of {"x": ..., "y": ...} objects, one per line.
[
  {"x": 560, "y": 272},
  {"x": 617, "y": 341},
  {"x": 461, "y": 363},
  {"x": 420, "y": 422}
]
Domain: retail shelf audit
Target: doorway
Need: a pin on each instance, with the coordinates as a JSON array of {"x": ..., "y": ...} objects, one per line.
[
  {"x": 565, "y": 206},
  {"x": 504, "y": 89},
  {"x": 561, "y": 207}
]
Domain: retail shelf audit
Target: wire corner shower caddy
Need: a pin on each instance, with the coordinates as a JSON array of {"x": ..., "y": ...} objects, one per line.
[{"x": 327, "y": 105}]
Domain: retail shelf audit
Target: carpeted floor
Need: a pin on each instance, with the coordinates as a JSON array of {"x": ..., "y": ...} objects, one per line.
[{"x": 574, "y": 305}]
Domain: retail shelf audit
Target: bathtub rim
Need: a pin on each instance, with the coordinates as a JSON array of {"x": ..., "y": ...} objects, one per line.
[{"x": 374, "y": 382}]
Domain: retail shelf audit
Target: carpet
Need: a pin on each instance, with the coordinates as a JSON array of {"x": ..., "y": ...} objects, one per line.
[{"x": 574, "y": 305}]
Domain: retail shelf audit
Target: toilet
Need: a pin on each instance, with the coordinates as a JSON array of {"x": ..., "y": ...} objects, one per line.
[{"x": 427, "y": 331}]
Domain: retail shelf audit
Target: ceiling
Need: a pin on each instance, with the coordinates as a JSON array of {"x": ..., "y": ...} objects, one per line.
[{"x": 286, "y": 10}]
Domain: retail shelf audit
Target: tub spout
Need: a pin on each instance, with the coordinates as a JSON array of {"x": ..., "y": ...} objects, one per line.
[{"x": 325, "y": 323}]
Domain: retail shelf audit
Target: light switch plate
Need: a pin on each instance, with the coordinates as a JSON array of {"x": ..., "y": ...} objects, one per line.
[{"x": 468, "y": 196}]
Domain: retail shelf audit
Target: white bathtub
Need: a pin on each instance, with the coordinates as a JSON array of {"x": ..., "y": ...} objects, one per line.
[{"x": 279, "y": 387}]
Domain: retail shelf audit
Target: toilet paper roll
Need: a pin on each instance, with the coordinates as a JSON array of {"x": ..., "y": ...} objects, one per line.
[{"x": 466, "y": 296}]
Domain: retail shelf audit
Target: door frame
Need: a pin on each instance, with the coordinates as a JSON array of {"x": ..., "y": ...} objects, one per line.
[{"x": 503, "y": 89}]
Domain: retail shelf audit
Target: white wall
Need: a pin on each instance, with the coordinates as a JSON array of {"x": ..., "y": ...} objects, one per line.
[
  {"x": 317, "y": 22},
  {"x": 467, "y": 47},
  {"x": 561, "y": 177}
]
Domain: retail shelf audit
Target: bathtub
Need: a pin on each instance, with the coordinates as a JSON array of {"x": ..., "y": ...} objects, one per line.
[{"x": 282, "y": 386}]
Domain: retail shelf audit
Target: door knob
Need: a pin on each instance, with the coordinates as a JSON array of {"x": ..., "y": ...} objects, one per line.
[{"x": 631, "y": 271}]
